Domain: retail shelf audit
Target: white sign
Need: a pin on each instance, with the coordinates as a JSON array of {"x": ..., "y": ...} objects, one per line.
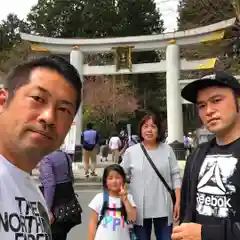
[{"x": 70, "y": 140}]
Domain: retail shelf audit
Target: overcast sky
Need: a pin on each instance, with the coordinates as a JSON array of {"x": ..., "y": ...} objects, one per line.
[{"x": 22, "y": 7}]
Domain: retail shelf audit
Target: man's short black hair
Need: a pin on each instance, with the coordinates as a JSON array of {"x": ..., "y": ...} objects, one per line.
[
  {"x": 89, "y": 126},
  {"x": 20, "y": 75}
]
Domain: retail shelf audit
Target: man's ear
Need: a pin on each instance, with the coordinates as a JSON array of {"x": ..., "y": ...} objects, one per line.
[{"x": 3, "y": 99}]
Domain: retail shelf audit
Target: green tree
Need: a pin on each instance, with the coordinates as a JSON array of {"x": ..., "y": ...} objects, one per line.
[
  {"x": 100, "y": 18},
  {"x": 11, "y": 57},
  {"x": 12, "y": 49},
  {"x": 53, "y": 18},
  {"x": 138, "y": 17},
  {"x": 73, "y": 18},
  {"x": 9, "y": 31},
  {"x": 196, "y": 13}
]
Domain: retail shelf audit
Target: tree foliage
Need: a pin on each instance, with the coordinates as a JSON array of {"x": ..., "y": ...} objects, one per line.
[
  {"x": 90, "y": 18},
  {"x": 10, "y": 58},
  {"x": 12, "y": 49},
  {"x": 108, "y": 99},
  {"x": 73, "y": 18},
  {"x": 138, "y": 17},
  {"x": 197, "y": 13},
  {"x": 9, "y": 31}
]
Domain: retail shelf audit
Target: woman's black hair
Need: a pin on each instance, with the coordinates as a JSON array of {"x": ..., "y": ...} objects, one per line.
[{"x": 116, "y": 168}]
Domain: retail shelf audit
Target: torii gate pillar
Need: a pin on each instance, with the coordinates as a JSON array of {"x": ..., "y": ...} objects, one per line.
[
  {"x": 174, "y": 101},
  {"x": 77, "y": 60}
]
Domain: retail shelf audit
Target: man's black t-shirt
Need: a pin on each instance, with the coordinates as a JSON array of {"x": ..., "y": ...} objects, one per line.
[{"x": 218, "y": 189}]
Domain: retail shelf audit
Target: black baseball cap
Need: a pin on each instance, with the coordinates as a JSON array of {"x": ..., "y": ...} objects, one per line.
[{"x": 190, "y": 91}]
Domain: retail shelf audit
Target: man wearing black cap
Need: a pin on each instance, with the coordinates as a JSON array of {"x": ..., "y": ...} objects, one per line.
[{"x": 210, "y": 199}]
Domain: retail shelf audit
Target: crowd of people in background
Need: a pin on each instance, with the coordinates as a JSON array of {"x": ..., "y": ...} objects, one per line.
[{"x": 115, "y": 145}]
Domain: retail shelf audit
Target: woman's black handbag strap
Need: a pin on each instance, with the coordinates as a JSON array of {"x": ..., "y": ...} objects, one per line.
[
  {"x": 157, "y": 172},
  {"x": 70, "y": 174}
]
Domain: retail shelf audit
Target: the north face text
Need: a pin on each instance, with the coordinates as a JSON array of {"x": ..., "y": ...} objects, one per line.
[{"x": 30, "y": 224}]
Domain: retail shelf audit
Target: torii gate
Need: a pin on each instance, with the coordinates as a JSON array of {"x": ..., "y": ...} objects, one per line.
[{"x": 172, "y": 65}]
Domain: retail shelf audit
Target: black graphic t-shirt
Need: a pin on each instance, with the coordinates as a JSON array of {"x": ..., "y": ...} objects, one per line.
[
  {"x": 23, "y": 212},
  {"x": 218, "y": 189}
]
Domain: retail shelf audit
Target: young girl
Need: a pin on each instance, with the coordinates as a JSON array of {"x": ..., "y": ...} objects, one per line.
[{"x": 113, "y": 208}]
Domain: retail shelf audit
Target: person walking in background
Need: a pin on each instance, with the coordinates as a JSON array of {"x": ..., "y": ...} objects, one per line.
[
  {"x": 133, "y": 139},
  {"x": 114, "y": 146},
  {"x": 130, "y": 141},
  {"x": 104, "y": 151},
  {"x": 56, "y": 178},
  {"x": 89, "y": 141},
  {"x": 188, "y": 144},
  {"x": 155, "y": 180}
]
